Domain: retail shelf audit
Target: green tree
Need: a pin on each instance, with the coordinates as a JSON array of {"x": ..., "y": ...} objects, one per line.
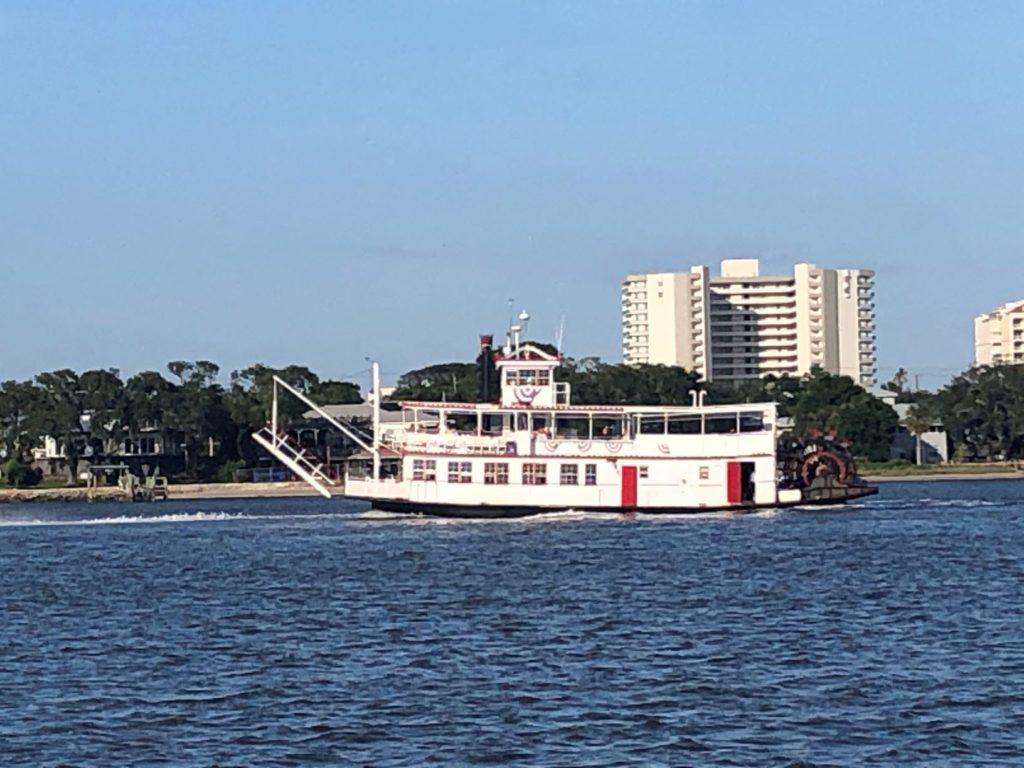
[
  {"x": 453, "y": 382},
  {"x": 837, "y": 405},
  {"x": 105, "y": 406},
  {"x": 983, "y": 411},
  {"x": 148, "y": 397},
  {"x": 58, "y": 413},
  {"x": 198, "y": 412},
  {"x": 595, "y": 383},
  {"x": 898, "y": 383},
  {"x": 17, "y": 402},
  {"x": 331, "y": 392}
]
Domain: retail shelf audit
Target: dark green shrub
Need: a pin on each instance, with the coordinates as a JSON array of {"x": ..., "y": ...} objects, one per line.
[
  {"x": 20, "y": 475},
  {"x": 228, "y": 471}
]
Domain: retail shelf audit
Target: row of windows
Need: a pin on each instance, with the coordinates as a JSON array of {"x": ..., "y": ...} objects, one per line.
[
  {"x": 497, "y": 472},
  {"x": 710, "y": 424}
]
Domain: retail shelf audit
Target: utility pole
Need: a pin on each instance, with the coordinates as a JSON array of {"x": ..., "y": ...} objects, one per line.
[{"x": 375, "y": 376}]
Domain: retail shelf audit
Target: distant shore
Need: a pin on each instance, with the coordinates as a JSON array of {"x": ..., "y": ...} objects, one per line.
[
  {"x": 298, "y": 489},
  {"x": 183, "y": 491}
]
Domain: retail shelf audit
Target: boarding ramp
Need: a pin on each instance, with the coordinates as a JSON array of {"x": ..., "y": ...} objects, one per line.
[{"x": 293, "y": 457}]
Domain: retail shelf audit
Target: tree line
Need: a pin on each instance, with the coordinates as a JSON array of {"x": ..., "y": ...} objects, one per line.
[{"x": 94, "y": 412}]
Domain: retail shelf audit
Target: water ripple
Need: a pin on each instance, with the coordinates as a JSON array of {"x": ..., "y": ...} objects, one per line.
[{"x": 301, "y": 632}]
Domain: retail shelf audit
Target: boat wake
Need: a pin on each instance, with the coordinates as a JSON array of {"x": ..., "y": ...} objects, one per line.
[
  {"x": 181, "y": 517},
  {"x": 568, "y": 516},
  {"x": 184, "y": 517}
]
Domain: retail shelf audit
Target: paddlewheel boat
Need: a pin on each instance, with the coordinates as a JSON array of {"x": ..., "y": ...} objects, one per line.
[{"x": 535, "y": 452}]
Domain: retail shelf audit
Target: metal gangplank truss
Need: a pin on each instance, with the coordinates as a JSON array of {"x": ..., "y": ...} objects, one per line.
[
  {"x": 294, "y": 458},
  {"x": 279, "y": 446}
]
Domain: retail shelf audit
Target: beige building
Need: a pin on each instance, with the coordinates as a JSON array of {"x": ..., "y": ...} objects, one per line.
[
  {"x": 742, "y": 325},
  {"x": 999, "y": 335},
  {"x": 665, "y": 319}
]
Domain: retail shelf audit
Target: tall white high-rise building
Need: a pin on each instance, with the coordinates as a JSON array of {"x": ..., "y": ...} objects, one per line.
[
  {"x": 742, "y": 325},
  {"x": 999, "y": 335}
]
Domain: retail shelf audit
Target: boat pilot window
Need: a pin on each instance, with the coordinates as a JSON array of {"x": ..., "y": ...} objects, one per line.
[
  {"x": 591, "y": 474},
  {"x": 684, "y": 424},
  {"x": 496, "y": 473},
  {"x": 528, "y": 377},
  {"x": 460, "y": 472},
  {"x": 720, "y": 423},
  {"x": 751, "y": 421},
  {"x": 535, "y": 474},
  {"x": 569, "y": 474},
  {"x": 424, "y": 469}
]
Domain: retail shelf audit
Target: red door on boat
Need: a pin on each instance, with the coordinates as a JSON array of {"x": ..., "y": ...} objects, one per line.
[
  {"x": 629, "y": 487},
  {"x": 734, "y": 486}
]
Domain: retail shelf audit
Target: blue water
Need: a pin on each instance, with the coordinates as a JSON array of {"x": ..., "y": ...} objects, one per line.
[{"x": 297, "y": 632}]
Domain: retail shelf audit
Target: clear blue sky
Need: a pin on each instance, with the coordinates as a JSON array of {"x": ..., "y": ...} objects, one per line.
[{"x": 317, "y": 182}]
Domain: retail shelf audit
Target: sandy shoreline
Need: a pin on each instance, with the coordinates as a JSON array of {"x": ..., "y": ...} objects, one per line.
[{"x": 239, "y": 490}]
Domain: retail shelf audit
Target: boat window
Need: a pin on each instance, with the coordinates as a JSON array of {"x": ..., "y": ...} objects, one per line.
[
  {"x": 424, "y": 469},
  {"x": 720, "y": 423},
  {"x": 572, "y": 427},
  {"x": 460, "y": 472},
  {"x": 359, "y": 469},
  {"x": 591, "y": 474},
  {"x": 751, "y": 421},
  {"x": 541, "y": 424},
  {"x": 535, "y": 474},
  {"x": 644, "y": 472},
  {"x": 461, "y": 423},
  {"x": 495, "y": 473},
  {"x": 492, "y": 423},
  {"x": 569, "y": 474},
  {"x": 652, "y": 424},
  {"x": 684, "y": 424},
  {"x": 607, "y": 428},
  {"x": 427, "y": 421}
]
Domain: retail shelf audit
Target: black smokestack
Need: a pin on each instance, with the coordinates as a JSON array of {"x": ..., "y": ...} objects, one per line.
[{"x": 486, "y": 363}]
